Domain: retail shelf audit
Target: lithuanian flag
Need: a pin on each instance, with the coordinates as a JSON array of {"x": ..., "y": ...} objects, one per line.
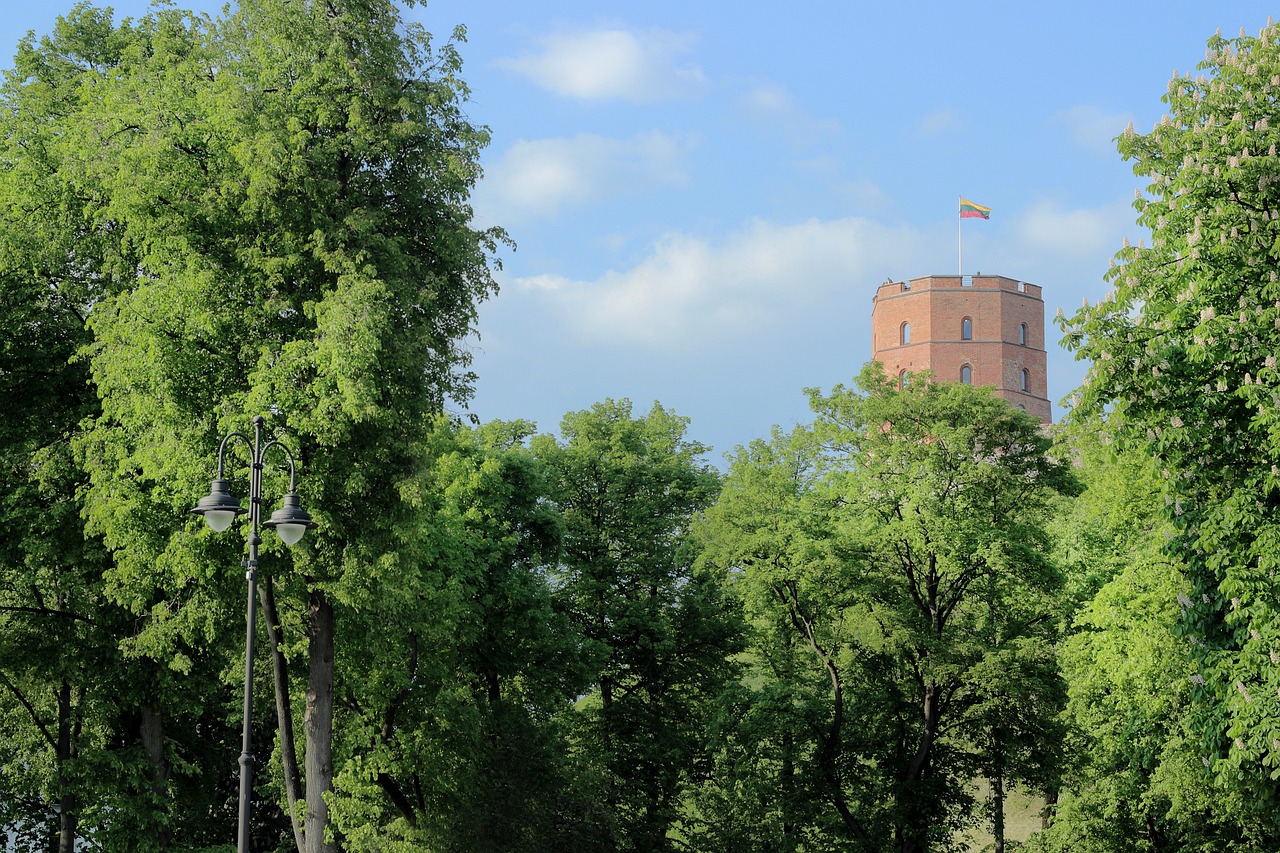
[{"x": 969, "y": 210}]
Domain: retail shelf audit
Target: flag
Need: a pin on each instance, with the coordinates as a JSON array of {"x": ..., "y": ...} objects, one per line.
[{"x": 969, "y": 210}]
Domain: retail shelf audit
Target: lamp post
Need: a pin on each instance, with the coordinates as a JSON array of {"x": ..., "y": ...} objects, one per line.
[{"x": 219, "y": 509}]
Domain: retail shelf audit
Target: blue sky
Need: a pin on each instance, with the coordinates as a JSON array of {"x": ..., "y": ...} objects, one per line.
[{"x": 704, "y": 196}]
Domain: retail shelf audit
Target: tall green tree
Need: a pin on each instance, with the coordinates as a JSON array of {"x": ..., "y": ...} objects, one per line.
[
  {"x": 60, "y": 673},
  {"x": 656, "y": 636},
  {"x": 788, "y": 736},
  {"x": 948, "y": 490},
  {"x": 47, "y": 588},
  {"x": 471, "y": 747},
  {"x": 1134, "y": 779},
  {"x": 118, "y": 747},
  {"x": 271, "y": 210},
  {"x": 900, "y": 542},
  {"x": 1183, "y": 352}
]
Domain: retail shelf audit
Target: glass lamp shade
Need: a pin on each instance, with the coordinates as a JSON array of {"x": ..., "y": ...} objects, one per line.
[
  {"x": 290, "y": 534},
  {"x": 290, "y": 521},
  {"x": 218, "y": 507},
  {"x": 219, "y": 519}
]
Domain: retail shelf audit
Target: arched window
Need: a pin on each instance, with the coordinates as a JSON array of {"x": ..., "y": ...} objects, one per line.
[
  {"x": 966, "y": 375},
  {"x": 1022, "y": 334},
  {"x": 966, "y": 329},
  {"x": 906, "y": 333},
  {"x": 1025, "y": 377},
  {"x": 903, "y": 379}
]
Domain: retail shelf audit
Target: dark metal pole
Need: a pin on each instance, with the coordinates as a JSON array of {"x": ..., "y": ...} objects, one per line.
[
  {"x": 250, "y": 575},
  {"x": 291, "y": 521}
]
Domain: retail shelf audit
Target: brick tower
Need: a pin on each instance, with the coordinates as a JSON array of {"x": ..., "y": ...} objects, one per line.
[{"x": 982, "y": 329}]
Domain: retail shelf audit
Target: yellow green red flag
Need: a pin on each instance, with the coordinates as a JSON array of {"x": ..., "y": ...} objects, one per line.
[{"x": 969, "y": 210}]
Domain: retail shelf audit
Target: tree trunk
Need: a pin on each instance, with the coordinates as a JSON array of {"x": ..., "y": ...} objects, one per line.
[
  {"x": 1155, "y": 837},
  {"x": 67, "y": 828},
  {"x": 930, "y": 711},
  {"x": 829, "y": 750},
  {"x": 151, "y": 733},
  {"x": 68, "y": 806},
  {"x": 997, "y": 811},
  {"x": 913, "y": 827},
  {"x": 1050, "y": 807},
  {"x": 284, "y": 712},
  {"x": 318, "y": 723}
]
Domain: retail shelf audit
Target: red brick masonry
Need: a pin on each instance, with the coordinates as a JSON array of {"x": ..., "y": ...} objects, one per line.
[{"x": 1007, "y": 334}]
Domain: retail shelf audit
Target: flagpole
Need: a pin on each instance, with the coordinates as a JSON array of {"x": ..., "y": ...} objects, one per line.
[{"x": 959, "y": 242}]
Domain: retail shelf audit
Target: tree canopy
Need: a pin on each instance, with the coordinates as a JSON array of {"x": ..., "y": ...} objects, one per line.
[
  {"x": 266, "y": 212},
  {"x": 898, "y": 546},
  {"x": 1183, "y": 352},
  {"x": 656, "y": 639}
]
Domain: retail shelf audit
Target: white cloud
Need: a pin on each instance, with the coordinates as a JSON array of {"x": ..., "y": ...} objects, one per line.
[
  {"x": 542, "y": 176},
  {"x": 771, "y": 107},
  {"x": 940, "y": 121},
  {"x": 1094, "y": 128},
  {"x": 542, "y": 282},
  {"x": 768, "y": 101},
  {"x": 612, "y": 65},
  {"x": 1047, "y": 227},
  {"x": 691, "y": 292}
]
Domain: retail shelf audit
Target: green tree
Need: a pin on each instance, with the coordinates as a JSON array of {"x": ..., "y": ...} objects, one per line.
[
  {"x": 269, "y": 214},
  {"x": 1183, "y": 352},
  {"x": 656, "y": 636},
  {"x": 788, "y": 736},
  {"x": 1134, "y": 779},
  {"x": 59, "y": 670},
  {"x": 900, "y": 541},
  {"x": 471, "y": 753},
  {"x": 119, "y": 747},
  {"x": 1015, "y": 724}
]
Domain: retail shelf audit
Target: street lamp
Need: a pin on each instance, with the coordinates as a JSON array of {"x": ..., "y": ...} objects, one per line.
[{"x": 219, "y": 509}]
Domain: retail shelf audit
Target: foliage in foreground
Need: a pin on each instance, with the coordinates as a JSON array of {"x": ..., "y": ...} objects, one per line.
[
  {"x": 1134, "y": 780},
  {"x": 1184, "y": 368},
  {"x": 261, "y": 213}
]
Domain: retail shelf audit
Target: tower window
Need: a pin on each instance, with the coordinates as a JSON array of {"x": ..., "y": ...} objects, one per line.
[
  {"x": 1022, "y": 334},
  {"x": 1025, "y": 377},
  {"x": 966, "y": 375},
  {"x": 966, "y": 329},
  {"x": 903, "y": 379},
  {"x": 906, "y": 333}
]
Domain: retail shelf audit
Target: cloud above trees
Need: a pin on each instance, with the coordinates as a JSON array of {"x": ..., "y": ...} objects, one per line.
[
  {"x": 689, "y": 291},
  {"x": 639, "y": 66},
  {"x": 543, "y": 176}
]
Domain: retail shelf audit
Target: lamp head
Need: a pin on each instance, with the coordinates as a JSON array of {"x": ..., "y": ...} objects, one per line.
[
  {"x": 290, "y": 521},
  {"x": 218, "y": 507}
]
